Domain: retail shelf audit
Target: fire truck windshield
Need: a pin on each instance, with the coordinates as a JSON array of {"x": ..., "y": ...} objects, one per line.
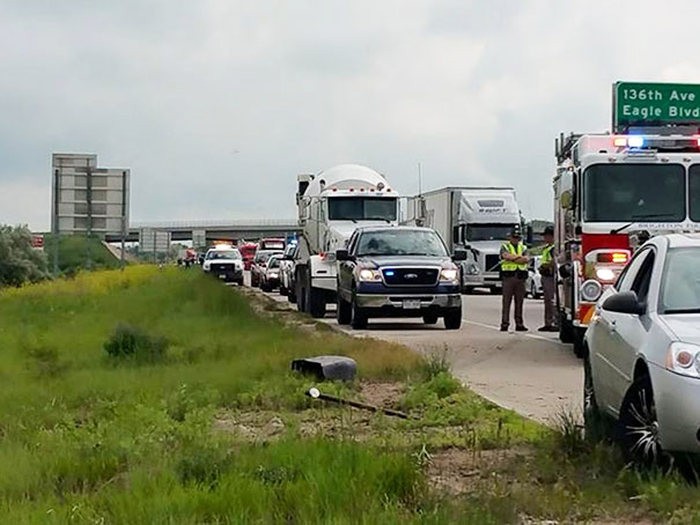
[
  {"x": 629, "y": 192},
  {"x": 694, "y": 192},
  {"x": 362, "y": 208},
  {"x": 488, "y": 232}
]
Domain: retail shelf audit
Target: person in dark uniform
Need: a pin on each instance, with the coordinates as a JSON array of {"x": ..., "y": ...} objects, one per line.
[
  {"x": 514, "y": 261},
  {"x": 547, "y": 275}
]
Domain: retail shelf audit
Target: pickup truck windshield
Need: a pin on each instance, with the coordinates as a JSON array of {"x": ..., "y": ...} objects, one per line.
[
  {"x": 401, "y": 242},
  {"x": 224, "y": 254},
  {"x": 362, "y": 209},
  {"x": 631, "y": 192},
  {"x": 488, "y": 232}
]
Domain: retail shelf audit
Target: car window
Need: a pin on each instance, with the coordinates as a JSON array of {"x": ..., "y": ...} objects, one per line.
[
  {"x": 643, "y": 279},
  {"x": 274, "y": 262},
  {"x": 627, "y": 277},
  {"x": 680, "y": 289}
]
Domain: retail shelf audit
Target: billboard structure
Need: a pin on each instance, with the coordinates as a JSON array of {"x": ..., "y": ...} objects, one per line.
[{"x": 86, "y": 199}]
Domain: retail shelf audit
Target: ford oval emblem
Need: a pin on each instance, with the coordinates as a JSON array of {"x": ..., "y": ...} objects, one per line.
[{"x": 411, "y": 276}]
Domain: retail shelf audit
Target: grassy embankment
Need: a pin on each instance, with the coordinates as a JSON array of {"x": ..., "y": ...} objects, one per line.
[{"x": 204, "y": 422}]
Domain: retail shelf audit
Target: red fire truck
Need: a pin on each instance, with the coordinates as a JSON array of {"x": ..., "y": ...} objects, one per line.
[{"x": 611, "y": 191}]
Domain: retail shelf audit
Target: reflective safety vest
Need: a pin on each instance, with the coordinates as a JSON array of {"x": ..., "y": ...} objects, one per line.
[
  {"x": 547, "y": 254},
  {"x": 510, "y": 266}
]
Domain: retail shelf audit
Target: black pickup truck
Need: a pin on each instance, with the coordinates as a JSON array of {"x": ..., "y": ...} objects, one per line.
[{"x": 398, "y": 271}]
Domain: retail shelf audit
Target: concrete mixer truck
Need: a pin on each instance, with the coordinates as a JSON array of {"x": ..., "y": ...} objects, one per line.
[{"x": 331, "y": 205}]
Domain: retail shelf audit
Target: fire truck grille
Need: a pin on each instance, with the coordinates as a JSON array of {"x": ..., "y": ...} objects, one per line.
[
  {"x": 410, "y": 276},
  {"x": 492, "y": 262}
]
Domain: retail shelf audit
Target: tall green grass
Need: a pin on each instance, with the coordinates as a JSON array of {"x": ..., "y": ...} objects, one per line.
[{"x": 92, "y": 436}]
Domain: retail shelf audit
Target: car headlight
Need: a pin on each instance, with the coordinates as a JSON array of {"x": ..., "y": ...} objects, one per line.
[
  {"x": 448, "y": 274},
  {"x": 591, "y": 290},
  {"x": 472, "y": 269},
  {"x": 274, "y": 275},
  {"x": 368, "y": 275},
  {"x": 683, "y": 359}
]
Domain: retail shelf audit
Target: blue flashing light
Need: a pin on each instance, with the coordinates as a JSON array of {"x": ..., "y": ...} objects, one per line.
[
  {"x": 635, "y": 141},
  {"x": 389, "y": 273}
]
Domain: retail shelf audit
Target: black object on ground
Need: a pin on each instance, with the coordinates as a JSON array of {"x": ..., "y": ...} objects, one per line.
[
  {"x": 327, "y": 367},
  {"x": 316, "y": 394}
]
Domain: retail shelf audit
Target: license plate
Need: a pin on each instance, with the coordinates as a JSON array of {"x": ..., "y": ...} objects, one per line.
[
  {"x": 222, "y": 276},
  {"x": 411, "y": 304}
]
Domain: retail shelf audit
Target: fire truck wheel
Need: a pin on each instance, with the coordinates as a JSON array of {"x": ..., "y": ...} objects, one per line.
[
  {"x": 580, "y": 349},
  {"x": 566, "y": 329}
]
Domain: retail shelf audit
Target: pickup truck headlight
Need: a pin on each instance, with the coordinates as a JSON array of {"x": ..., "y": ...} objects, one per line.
[
  {"x": 683, "y": 359},
  {"x": 369, "y": 275},
  {"x": 449, "y": 274}
]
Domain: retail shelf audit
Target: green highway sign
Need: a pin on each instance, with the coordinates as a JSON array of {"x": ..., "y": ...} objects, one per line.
[{"x": 655, "y": 104}]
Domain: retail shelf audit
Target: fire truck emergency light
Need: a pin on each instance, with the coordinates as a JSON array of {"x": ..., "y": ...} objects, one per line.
[{"x": 635, "y": 141}]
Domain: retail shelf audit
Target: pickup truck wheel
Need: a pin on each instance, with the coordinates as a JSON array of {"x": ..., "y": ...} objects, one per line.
[
  {"x": 283, "y": 291},
  {"x": 239, "y": 282},
  {"x": 291, "y": 294},
  {"x": 343, "y": 313},
  {"x": 359, "y": 317},
  {"x": 301, "y": 291},
  {"x": 430, "y": 318},
  {"x": 453, "y": 319}
]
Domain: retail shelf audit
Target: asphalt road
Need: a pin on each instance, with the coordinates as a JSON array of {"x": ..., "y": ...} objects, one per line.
[{"x": 531, "y": 372}]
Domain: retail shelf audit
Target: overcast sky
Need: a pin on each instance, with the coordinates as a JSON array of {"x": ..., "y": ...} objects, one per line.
[{"x": 216, "y": 105}]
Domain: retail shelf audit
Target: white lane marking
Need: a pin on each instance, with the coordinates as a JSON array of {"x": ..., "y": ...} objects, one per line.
[{"x": 531, "y": 336}]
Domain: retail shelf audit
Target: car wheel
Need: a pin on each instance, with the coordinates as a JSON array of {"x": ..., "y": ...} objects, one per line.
[
  {"x": 239, "y": 282},
  {"x": 596, "y": 425},
  {"x": 343, "y": 312},
  {"x": 283, "y": 291},
  {"x": 291, "y": 294},
  {"x": 638, "y": 426},
  {"x": 453, "y": 319},
  {"x": 430, "y": 318},
  {"x": 359, "y": 317}
]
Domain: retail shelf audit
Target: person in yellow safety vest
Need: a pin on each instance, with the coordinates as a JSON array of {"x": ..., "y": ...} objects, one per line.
[
  {"x": 548, "y": 280},
  {"x": 514, "y": 261}
]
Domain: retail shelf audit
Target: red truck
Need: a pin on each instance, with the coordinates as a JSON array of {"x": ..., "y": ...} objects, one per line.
[{"x": 248, "y": 250}]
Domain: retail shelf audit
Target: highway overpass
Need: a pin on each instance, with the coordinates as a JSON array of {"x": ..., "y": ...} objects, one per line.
[{"x": 213, "y": 229}]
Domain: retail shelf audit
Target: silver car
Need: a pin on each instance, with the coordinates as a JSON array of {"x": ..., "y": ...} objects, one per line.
[{"x": 642, "y": 372}]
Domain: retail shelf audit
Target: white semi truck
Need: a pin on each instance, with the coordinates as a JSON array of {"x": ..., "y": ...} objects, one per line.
[
  {"x": 331, "y": 205},
  {"x": 477, "y": 219}
]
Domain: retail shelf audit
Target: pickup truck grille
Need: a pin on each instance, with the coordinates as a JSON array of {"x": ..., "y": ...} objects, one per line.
[
  {"x": 492, "y": 261},
  {"x": 410, "y": 276},
  {"x": 223, "y": 267}
]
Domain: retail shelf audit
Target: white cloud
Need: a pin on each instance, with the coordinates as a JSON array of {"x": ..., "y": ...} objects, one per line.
[{"x": 216, "y": 105}]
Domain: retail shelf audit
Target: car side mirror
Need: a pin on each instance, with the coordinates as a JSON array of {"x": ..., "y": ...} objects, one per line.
[
  {"x": 624, "y": 303},
  {"x": 343, "y": 255},
  {"x": 459, "y": 255}
]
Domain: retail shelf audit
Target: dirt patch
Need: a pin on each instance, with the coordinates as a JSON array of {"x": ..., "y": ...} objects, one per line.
[
  {"x": 459, "y": 471},
  {"x": 250, "y": 426},
  {"x": 383, "y": 394}
]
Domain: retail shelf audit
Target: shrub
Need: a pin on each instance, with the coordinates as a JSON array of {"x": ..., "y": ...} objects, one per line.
[{"x": 131, "y": 341}]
